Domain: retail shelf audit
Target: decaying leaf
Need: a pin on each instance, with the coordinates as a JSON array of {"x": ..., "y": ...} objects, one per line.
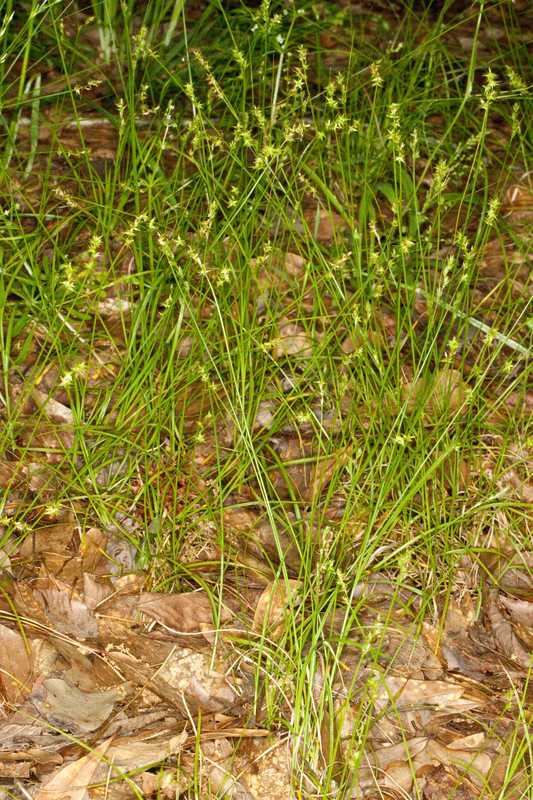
[
  {"x": 274, "y": 606},
  {"x": 445, "y": 392},
  {"x": 196, "y": 679},
  {"x": 72, "y": 781},
  {"x": 294, "y": 264},
  {"x": 503, "y": 632},
  {"x": 520, "y": 611},
  {"x": 68, "y": 614},
  {"x": 292, "y": 340},
  {"x": 264, "y": 766},
  {"x": 185, "y": 612},
  {"x": 136, "y": 753},
  {"x": 51, "y": 539},
  {"x": 15, "y": 665},
  {"x": 512, "y": 573},
  {"x": 66, "y": 707},
  {"x": 54, "y": 410},
  {"x": 324, "y": 225}
]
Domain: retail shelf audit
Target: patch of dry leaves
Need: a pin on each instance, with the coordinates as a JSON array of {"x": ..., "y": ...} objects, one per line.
[{"x": 103, "y": 683}]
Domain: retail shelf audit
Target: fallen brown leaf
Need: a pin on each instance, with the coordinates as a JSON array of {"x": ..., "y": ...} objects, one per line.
[
  {"x": 292, "y": 340},
  {"x": 440, "y": 782},
  {"x": 67, "y": 613},
  {"x": 520, "y": 611},
  {"x": 273, "y": 607},
  {"x": 65, "y": 706},
  {"x": 15, "y": 769},
  {"x": 15, "y": 666},
  {"x": 71, "y": 781},
  {"x": 52, "y": 409},
  {"x": 508, "y": 642},
  {"x": 185, "y": 613},
  {"x": 137, "y": 753},
  {"x": 324, "y": 224},
  {"x": 294, "y": 264},
  {"x": 51, "y": 539},
  {"x": 445, "y": 392}
]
